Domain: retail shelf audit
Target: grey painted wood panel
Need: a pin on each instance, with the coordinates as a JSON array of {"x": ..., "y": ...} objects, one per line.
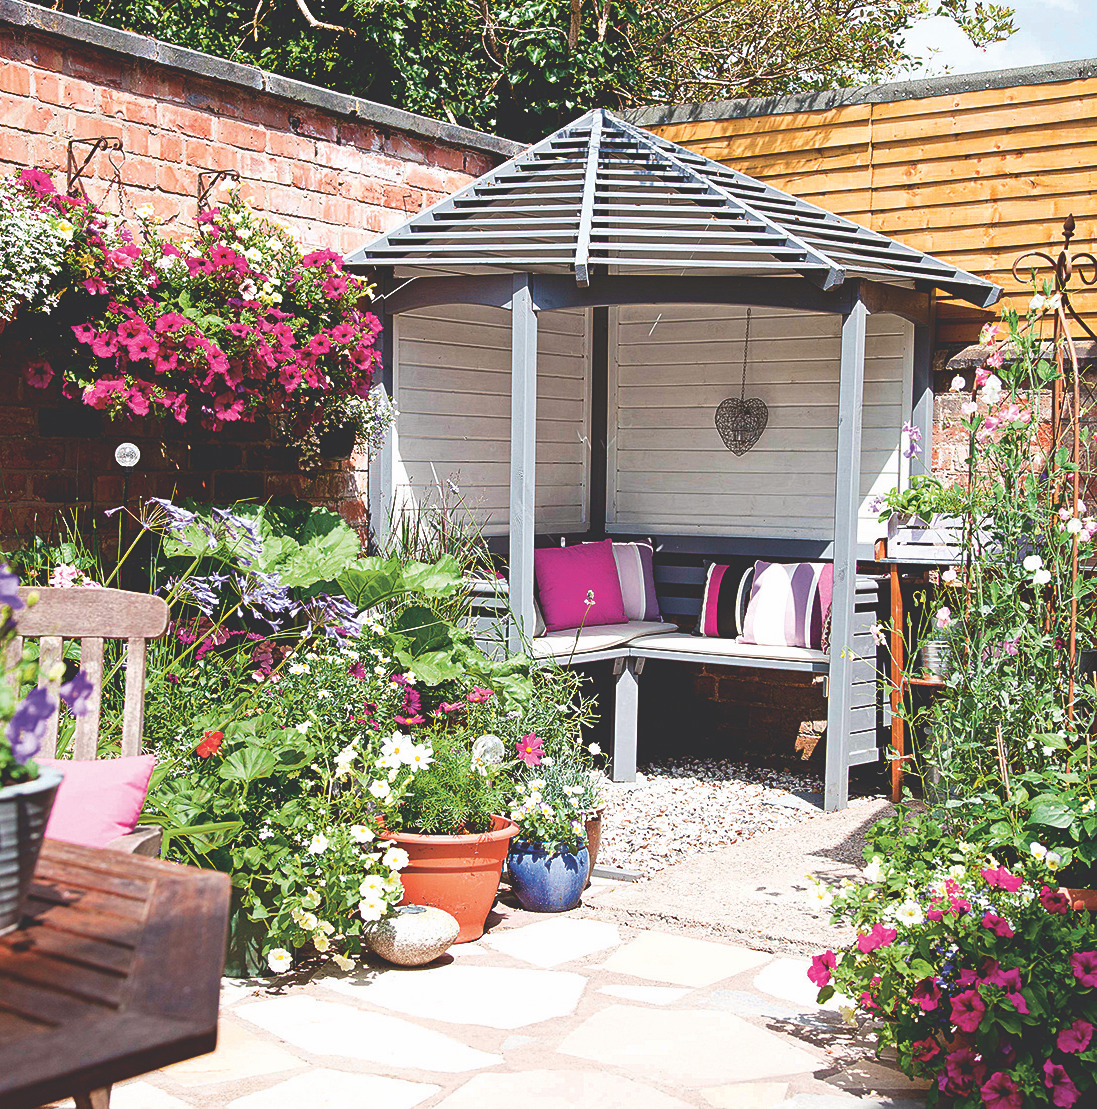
[{"x": 453, "y": 396}]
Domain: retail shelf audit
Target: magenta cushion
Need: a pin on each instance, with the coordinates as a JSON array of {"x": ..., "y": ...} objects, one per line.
[
  {"x": 564, "y": 577},
  {"x": 98, "y": 799}
]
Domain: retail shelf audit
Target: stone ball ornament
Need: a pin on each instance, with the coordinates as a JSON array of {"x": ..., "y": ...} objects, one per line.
[{"x": 413, "y": 936}]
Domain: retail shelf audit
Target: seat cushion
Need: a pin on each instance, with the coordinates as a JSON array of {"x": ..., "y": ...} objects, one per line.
[
  {"x": 786, "y": 604},
  {"x": 98, "y": 799},
  {"x": 559, "y": 645},
  {"x": 683, "y": 643}
]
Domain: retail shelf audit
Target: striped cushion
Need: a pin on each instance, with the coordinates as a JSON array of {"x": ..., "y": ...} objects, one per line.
[
  {"x": 636, "y": 571},
  {"x": 721, "y": 612},
  {"x": 788, "y": 604}
]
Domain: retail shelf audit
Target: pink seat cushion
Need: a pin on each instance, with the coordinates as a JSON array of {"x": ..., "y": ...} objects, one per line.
[
  {"x": 565, "y": 575},
  {"x": 98, "y": 799}
]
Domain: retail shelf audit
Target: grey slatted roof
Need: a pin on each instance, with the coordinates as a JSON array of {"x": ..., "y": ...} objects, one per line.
[{"x": 601, "y": 192}]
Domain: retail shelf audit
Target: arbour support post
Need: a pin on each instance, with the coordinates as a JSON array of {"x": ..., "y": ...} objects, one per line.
[
  {"x": 523, "y": 458},
  {"x": 847, "y": 499},
  {"x": 381, "y": 474}
]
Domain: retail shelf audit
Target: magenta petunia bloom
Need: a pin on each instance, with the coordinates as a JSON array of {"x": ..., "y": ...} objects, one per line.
[
  {"x": 1002, "y": 879},
  {"x": 39, "y": 373},
  {"x": 926, "y": 995},
  {"x": 1084, "y": 964},
  {"x": 880, "y": 936},
  {"x": 1001, "y": 1092},
  {"x": 84, "y": 332},
  {"x": 1054, "y": 901},
  {"x": 319, "y": 344},
  {"x": 994, "y": 923},
  {"x": 821, "y": 966},
  {"x": 1063, "y": 1091},
  {"x": 967, "y": 1010},
  {"x": 925, "y": 1051},
  {"x": 343, "y": 333},
  {"x": 38, "y": 181},
  {"x": 105, "y": 344},
  {"x": 1075, "y": 1038}
]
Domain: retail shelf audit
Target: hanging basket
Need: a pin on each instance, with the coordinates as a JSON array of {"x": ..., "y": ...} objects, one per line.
[{"x": 338, "y": 442}]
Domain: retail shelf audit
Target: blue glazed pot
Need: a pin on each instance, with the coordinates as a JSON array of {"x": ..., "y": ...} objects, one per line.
[{"x": 545, "y": 883}]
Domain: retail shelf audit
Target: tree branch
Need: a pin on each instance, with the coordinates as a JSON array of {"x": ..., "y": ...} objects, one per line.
[{"x": 319, "y": 24}]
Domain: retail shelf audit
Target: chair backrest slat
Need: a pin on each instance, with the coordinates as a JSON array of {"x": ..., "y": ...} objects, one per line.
[
  {"x": 133, "y": 715},
  {"x": 93, "y": 616},
  {"x": 12, "y": 659},
  {"x": 50, "y": 648},
  {"x": 86, "y": 740}
]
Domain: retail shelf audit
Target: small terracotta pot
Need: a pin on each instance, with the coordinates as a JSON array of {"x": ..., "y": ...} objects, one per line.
[
  {"x": 457, "y": 873},
  {"x": 594, "y": 838}
]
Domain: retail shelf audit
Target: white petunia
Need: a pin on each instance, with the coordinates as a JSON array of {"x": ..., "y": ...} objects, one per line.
[
  {"x": 910, "y": 913},
  {"x": 311, "y": 900},
  {"x": 371, "y": 908},
  {"x": 395, "y": 858},
  {"x": 875, "y": 869},
  {"x": 380, "y": 789},
  {"x": 372, "y": 885},
  {"x": 321, "y": 942},
  {"x": 307, "y": 921},
  {"x": 342, "y": 962},
  {"x": 361, "y": 834},
  {"x": 279, "y": 960},
  {"x": 318, "y": 845}
]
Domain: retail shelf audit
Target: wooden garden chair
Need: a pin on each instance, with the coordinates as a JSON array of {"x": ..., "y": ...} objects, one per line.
[{"x": 93, "y": 616}]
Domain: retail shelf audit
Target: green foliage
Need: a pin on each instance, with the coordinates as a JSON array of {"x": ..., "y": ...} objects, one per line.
[
  {"x": 452, "y": 796},
  {"x": 524, "y": 67},
  {"x": 925, "y": 497}
]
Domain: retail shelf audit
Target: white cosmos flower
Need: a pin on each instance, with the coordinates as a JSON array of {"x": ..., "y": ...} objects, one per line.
[
  {"x": 318, "y": 845},
  {"x": 395, "y": 858},
  {"x": 342, "y": 962},
  {"x": 279, "y": 960},
  {"x": 420, "y": 756},
  {"x": 395, "y": 750}
]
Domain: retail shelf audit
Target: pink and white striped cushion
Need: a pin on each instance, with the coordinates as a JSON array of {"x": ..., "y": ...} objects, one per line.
[{"x": 786, "y": 606}]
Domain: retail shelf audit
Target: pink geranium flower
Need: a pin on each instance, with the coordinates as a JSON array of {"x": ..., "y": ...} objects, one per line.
[
  {"x": 530, "y": 749},
  {"x": 1001, "y": 1092},
  {"x": 1063, "y": 1091},
  {"x": 880, "y": 936},
  {"x": 821, "y": 966},
  {"x": 967, "y": 1010},
  {"x": 1075, "y": 1038}
]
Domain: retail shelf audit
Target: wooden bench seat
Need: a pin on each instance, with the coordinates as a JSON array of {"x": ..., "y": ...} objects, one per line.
[{"x": 605, "y": 640}]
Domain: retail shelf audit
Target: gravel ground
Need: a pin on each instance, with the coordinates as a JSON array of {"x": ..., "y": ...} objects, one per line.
[{"x": 679, "y": 809}]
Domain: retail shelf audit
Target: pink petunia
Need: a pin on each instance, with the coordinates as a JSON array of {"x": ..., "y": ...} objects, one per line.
[
  {"x": 84, "y": 332},
  {"x": 925, "y": 1051},
  {"x": 334, "y": 287},
  {"x": 343, "y": 333},
  {"x": 142, "y": 346},
  {"x": 530, "y": 749},
  {"x": 926, "y": 995},
  {"x": 880, "y": 936},
  {"x": 104, "y": 344},
  {"x": 319, "y": 257},
  {"x": 170, "y": 323},
  {"x": 96, "y": 286},
  {"x": 1054, "y": 901},
  {"x": 1063, "y": 1091},
  {"x": 1002, "y": 879},
  {"x": 996, "y": 924},
  {"x": 1075, "y": 1038},
  {"x": 38, "y": 181},
  {"x": 968, "y": 1009},
  {"x": 1001, "y": 1092},
  {"x": 1084, "y": 964},
  {"x": 821, "y": 966},
  {"x": 319, "y": 344},
  {"x": 39, "y": 373}
]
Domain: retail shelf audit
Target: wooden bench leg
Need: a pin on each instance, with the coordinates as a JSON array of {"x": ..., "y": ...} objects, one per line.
[
  {"x": 626, "y": 712},
  {"x": 94, "y": 1099}
]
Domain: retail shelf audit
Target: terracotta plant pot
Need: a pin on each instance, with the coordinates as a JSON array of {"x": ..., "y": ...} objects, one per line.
[
  {"x": 24, "y": 810},
  {"x": 1082, "y": 900},
  {"x": 457, "y": 873}
]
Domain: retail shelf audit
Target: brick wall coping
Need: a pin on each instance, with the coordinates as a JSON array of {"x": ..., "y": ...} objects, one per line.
[
  {"x": 33, "y": 17},
  {"x": 658, "y": 115},
  {"x": 971, "y": 358}
]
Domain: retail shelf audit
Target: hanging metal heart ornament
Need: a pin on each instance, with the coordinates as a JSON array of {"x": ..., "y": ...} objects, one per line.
[{"x": 740, "y": 421}]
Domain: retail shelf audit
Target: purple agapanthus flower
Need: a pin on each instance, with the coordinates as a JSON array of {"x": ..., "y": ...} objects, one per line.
[
  {"x": 913, "y": 437},
  {"x": 177, "y": 520},
  {"x": 265, "y": 597},
  {"x": 334, "y": 616},
  {"x": 199, "y": 591},
  {"x": 240, "y": 530},
  {"x": 9, "y": 588},
  {"x": 27, "y": 727},
  {"x": 77, "y": 693}
]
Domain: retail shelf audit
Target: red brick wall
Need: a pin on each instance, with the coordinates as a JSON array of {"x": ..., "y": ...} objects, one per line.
[{"x": 309, "y": 158}]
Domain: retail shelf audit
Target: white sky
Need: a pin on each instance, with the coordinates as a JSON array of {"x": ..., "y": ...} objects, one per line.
[{"x": 1048, "y": 31}]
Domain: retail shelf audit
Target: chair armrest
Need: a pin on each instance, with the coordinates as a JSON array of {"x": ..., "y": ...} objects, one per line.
[{"x": 141, "y": 841}]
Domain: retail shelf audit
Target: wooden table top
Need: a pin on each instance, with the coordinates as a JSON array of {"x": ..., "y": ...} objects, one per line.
[{"x": 117, "y": 973}]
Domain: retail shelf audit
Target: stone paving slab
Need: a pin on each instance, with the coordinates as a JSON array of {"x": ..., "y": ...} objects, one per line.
[{"x": 682, "y": 960}]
